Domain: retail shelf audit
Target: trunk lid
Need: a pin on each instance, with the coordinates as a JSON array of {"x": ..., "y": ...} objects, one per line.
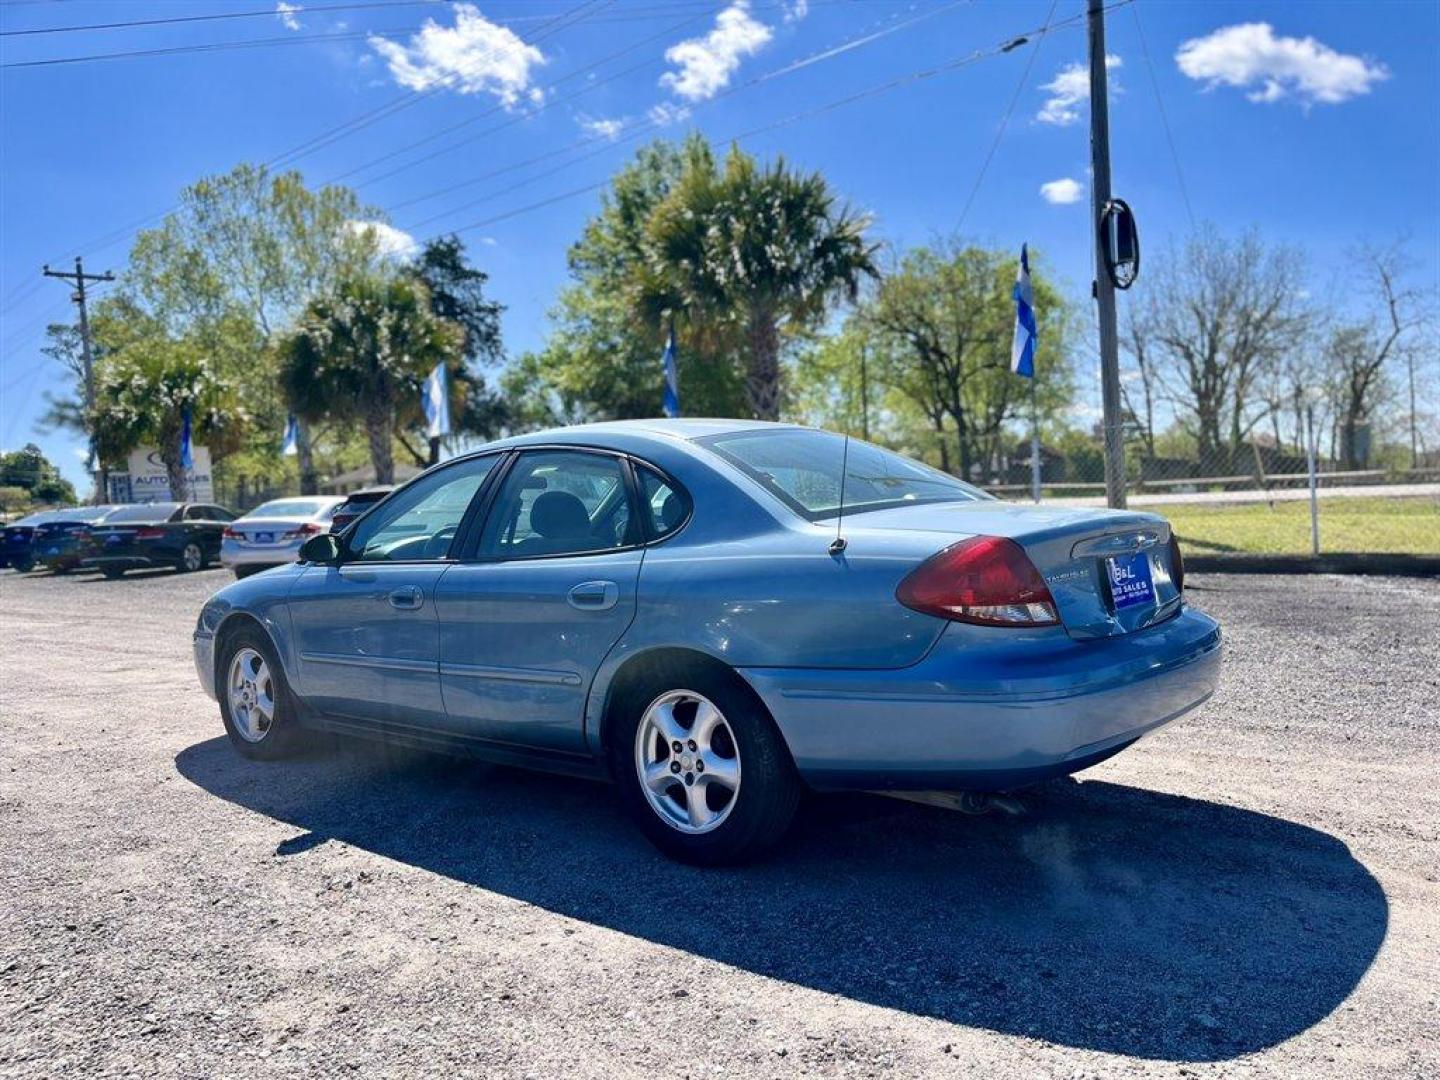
[
  {"x": 1093, "y": 561},
  {"x": 269, "y": 530}
]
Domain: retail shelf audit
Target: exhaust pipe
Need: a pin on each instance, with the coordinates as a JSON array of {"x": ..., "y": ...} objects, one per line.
[{"x": 975, "y": 803}]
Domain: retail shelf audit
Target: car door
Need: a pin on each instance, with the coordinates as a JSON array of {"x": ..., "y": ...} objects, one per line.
[
  {"x": 529, "y": 613},
  {"x": 365, "y": 630}
]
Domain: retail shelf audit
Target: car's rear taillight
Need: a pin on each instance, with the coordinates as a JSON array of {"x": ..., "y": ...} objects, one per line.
[
  {"x": 151, "y": 533},
  {"x": 1177, "y": 564},
  {"x": 986, "y": 579},
  {"x": 228, "y": 533},
  {"x": 308, "y": 529}
]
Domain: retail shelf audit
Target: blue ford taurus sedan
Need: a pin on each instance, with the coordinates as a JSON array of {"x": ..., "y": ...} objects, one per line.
[{"x": 683, "y": 607}]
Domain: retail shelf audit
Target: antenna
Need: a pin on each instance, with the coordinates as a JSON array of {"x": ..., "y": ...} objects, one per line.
[{"x": 838, "y": 544}]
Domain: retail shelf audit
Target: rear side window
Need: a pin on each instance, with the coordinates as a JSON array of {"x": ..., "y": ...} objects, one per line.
[{"x": 665, "y": 507}]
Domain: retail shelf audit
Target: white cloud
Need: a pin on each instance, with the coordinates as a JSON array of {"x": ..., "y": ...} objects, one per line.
[
  {"x": 390, "y": 242},
  {"x": 1250, "y": 55},
  {"x": 665, "y": 114},
  {"x": 472, "y": 56},
  {"x": 602, "y": 127},
  {"x": 795, "y": 10},
  {"x": 706, "y": 63},
  {"x": 287, "y": 14},
  {"x": 1068, "y": 89},
  {"x": 1062, "y": 192}
]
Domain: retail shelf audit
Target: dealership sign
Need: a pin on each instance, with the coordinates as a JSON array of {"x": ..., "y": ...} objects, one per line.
[{"x": 149, "y": 482}]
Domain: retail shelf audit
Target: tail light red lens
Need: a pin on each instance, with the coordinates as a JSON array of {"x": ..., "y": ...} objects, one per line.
[
  {"x": 150, "y": 533},
  {"x": 1177, "y": 564},
  {"x": 308, "y": 529},
  {"x": 987, "y": 580},
  {"x": 228, "y": 533}
]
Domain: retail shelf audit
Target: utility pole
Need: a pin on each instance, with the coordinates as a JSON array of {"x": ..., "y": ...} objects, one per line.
[
  {"x": 1104, "y": 286},
  {"x": 78, "y": 279}
]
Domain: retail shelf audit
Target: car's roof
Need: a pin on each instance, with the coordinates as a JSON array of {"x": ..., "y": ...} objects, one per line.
[{"x": 659, "y": 427}]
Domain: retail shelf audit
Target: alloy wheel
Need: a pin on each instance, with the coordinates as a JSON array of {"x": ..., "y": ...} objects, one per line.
[
  {"x": 193, "y": 557},
  {"x": 251, "y": 694},
  {"x": 688, "y": 762}
]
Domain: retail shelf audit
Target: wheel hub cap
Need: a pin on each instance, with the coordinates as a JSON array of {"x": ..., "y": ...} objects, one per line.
[{"x": 687, "y": 761}]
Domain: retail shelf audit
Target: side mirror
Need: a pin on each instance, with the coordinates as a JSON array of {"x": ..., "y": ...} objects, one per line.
[{"x": 322, "y": 548}]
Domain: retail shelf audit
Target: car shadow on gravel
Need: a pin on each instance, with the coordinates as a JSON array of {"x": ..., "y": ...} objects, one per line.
[{"x": 1109, "y": 918}]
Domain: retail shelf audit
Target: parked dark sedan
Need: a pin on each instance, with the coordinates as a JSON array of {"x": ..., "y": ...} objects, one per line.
[
  {"x": 60, "y": 543},
  {"x": 183, "y": 535},
  {"x": 357, "y": 503},
  {"x": 15, "y": 540}
]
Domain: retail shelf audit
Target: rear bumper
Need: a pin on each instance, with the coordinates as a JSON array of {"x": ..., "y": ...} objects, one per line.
[
  {"x": 991, "y": 709},
  {"x": 234, "y": 553}
]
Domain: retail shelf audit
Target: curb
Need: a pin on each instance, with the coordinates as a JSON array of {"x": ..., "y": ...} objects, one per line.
[{"x": 1339, "y": 563}]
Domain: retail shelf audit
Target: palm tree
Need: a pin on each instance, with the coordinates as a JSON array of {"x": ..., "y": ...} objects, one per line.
[
  {"x": 769, "y": 249},
  {"x": 360, "y": 351}
]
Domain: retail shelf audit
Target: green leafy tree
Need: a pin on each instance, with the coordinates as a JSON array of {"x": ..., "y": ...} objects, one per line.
[
  {"x": 361, "y": 350},
  {"x": 766, "y": 250},
  {"x": 232, "y": 267},
  {"x": 602, "y": 359},
  {"x": 31, "y": 472},
  {"x": 457, "y": 294},
  {"x": 145, "y": 389},
  {"x": 941, "y": 326}
]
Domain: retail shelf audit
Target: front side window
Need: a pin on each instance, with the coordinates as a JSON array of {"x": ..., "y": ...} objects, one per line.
[
  {"x": 419, "y": 522},
  {"x": 559, "y": 502},
  {"x": 802, "y": 467}
]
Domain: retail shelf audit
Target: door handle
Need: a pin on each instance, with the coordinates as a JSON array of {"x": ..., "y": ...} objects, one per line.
[
  {"x": 407, "y": 598},
  {"x": 594, "y": 595}
]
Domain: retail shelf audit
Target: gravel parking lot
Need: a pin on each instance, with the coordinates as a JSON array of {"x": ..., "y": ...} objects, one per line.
[{"x": 1253, "y": 891}]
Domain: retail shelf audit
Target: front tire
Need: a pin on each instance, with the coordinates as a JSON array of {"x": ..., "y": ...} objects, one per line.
[
  {"x": 256, "y": 705},
  {"x": 24, "y": 565},
  {"x": 730, "y": 790}
]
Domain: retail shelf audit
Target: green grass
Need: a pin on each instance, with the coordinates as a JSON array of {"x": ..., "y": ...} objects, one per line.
[{"x": 1368, "y": 525}]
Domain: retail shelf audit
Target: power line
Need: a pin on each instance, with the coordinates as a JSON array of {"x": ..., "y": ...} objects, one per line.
[
  {"x": 1164, "y": 117},
  {"x": 343, "y": 130},
  {"x": 850, "y": 99},
  {"x": 548, "y": 103},
  {"x": 308, "y": 9},
  {"x": 643, "y": 126},
  {"x": 1005, "y": 120}
]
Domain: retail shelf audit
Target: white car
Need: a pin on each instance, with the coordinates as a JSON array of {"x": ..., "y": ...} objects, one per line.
[{"x": 271, "y": 534}]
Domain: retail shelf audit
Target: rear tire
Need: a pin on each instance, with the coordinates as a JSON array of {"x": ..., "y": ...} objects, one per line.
[
  {"x": 245, "y": 571},
  {"x": 24, "y": 565},
  {"x": 675, "y": 809},
  {"x": 113, "y": 572},
  {"x": 192, "y": 558},
  {"x": 256, "y": 706}
]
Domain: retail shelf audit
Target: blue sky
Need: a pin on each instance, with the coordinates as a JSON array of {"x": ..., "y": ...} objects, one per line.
[{"x": 1318, "y": 123}]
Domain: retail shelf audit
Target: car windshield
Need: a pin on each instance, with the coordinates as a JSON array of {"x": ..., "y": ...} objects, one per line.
[
  {"x": 291, "y": 508},
  {"x": 145, "y": 513},
  {"x": 802, "y": 467}
]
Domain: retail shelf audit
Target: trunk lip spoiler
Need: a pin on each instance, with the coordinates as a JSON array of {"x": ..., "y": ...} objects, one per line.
[{"x": 1125, "y": 542}]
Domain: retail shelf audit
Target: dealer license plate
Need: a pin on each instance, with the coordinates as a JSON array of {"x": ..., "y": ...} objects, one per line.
[
  {"x": 264, "y": 538},
  {"x": 1130, "y": 583}
]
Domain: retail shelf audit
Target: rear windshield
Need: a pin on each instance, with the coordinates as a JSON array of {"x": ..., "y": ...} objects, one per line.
[
  {"x": 151, "y": 512},
  {"x": 802, "y": 467},
  {"x": 296, "y": 508}
]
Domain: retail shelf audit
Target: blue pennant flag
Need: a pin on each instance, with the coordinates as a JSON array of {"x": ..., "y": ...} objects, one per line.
[
  {"x": 436, "y": 400},
  {"x": 672, "y": 377},
  {"x": 290, "y": 444},
  {"x": 1022, "y": 352},
  {"x": 187, "y": 457}
]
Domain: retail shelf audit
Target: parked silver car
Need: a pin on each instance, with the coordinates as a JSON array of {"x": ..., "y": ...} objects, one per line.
[{"x": 271, "y": 534}]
